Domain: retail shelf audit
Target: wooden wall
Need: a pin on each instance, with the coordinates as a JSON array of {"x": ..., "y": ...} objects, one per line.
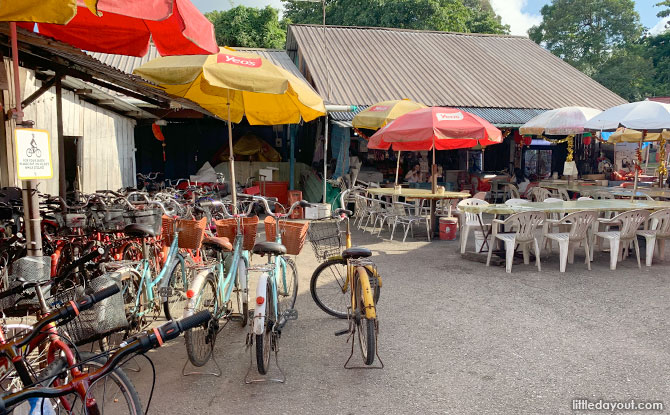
[{"x": 106, "y": 157}]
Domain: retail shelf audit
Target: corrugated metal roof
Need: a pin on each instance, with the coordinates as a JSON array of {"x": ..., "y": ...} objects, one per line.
[
  {"x": 665, "y": 100},
  {"x": 128, "y": 63},
  {"x": 363, "y": 66},
  {"x": 500, "y": 117}
]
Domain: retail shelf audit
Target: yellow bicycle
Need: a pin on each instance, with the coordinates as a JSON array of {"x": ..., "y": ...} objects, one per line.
[{"x": 347, "y": 284}]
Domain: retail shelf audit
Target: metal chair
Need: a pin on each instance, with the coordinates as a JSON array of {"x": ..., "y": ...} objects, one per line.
[
  {"x": 579, "y": 223},
  {"x": 620, "y": 240},
  {"x": 407, "y": 218},
  {"x": 472, "y": 220},
  {"x": 657, "y": 231},
  {"x": 525, "y": 224}
]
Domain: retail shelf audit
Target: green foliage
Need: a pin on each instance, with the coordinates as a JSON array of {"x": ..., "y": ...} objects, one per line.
[
  {"x": 248, "y": 27},
  {"x": 665, "y": 12},
  {"x": 629, "y": 72},
  {"x": 658, "y": 50},
  {"x": 444, "y": 15},
  {"x": 585, "y": 32}
]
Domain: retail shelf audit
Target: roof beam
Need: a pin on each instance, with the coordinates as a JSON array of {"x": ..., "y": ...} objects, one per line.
[
  {"x": 83, "y": 91},
  {"x": 46, "y": 85}
]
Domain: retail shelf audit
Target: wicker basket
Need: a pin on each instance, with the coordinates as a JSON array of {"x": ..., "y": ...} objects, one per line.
[
  {"x": 293, "y": 234},
  {"x": 228, "y": 229},
  {"x": 191, "y": 232}
]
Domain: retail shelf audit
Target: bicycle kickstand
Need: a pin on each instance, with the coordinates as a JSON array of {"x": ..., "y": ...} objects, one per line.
[
  {"x": 266, "y": 378},
  {"x": 353, "y": 341},
  {"x": 216, "y": 373}
]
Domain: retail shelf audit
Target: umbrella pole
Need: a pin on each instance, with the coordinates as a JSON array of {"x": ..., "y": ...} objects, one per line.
[
  {"x": 637, "y": 170},
  {"x": 325, "y": 160},
  {"x": 397, "y": 168},
  {"x": 231, "y": 157},
  {"x": 434, "y": 171}
]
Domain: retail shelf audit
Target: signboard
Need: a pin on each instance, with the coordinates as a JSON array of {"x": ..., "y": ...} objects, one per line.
[{"x": 33, "y": 154}]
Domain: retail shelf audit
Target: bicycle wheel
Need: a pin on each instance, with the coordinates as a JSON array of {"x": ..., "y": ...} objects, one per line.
[
  {"x": 287, "y": 287},
  {"x": 241, "y": 293},
  {"x": 130, "y": 287},
  {"x": 367, "y": 332},
  {"x": 113, "y": 393},
  {"x": 329, "y": 287},
  {"x": 200, "y": 340},
  {"x": 38, "y": 152},
  {"x": 174, "y": 292},
  {"x": 36, "y": 359},
  {"x": 264, "y": 341}
]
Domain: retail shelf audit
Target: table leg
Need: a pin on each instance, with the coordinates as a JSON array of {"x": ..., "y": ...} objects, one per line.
[
  {"x": 433, "y": 218},
  {"x": 485, "y": 233}
]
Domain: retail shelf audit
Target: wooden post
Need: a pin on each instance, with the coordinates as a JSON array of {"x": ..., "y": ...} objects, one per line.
[{"x": 62, "y": 182}]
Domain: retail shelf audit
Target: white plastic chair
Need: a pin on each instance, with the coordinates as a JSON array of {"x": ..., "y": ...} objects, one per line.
[
  {"x": 579, "y": 223},
  {"x": 657, "y": 232},
  {"x": 471, "y": 221},
  {"x": 550, "y": 224},
  {"x": 538, "y": 194},
  {"x": 525, "y": 224},
  {"x": 628, "y": 222},
  {"x": 584, "y": 198},
  {"x": 563, "y": 194},
  {"x": 516, "y": 202},
  {"x": 513, "y": 191}
]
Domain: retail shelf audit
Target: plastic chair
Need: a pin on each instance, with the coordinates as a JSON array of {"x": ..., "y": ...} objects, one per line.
[
  {"x": 525, "y": 224},
  {"x": 580, "y": 223},
  {"x": 628, "y": 222},
  {"x": 538, "y": 194},
  {"x": 513, "y": 191},
  {"x": 472, "y": 220},
  {"x": 516, "y": 202},
  {"x": 584, "y": 198},
  {"x": 480, "y": 196},
  {"x": 657, "y": 232},
  {"x": 563, "y": 194}
]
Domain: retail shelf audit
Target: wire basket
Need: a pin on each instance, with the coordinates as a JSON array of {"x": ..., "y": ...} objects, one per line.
[
  {"x": 29, "y": 269},
  {"x": 150, "y": 217},
  {"x": 325, "y": 237},
  {"x": 104, "y": 318},
  {"x": 110, "y": 220},
  {"x": 191, "y": 232},
  {"x": 228, "y": 229},
  {"x": 293, "y": 234}
]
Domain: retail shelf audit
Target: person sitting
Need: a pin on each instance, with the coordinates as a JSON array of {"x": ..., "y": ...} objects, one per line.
[
  {"x": 521, "y": 180},
  {"x": 414, "y": 175}
]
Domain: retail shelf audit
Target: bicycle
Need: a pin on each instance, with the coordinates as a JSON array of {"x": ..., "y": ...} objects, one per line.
[
  {"x": 213, "y": 286},
  {"x": 89, "y": 388},
  {"x": 347, "y": 284},
  {"x": 275, "y": 293}
]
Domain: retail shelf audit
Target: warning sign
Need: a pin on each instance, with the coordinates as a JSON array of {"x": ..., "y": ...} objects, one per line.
[{"x": 33, "y": 154}]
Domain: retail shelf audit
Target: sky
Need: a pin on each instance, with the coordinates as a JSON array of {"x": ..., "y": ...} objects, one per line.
[{"x": 519, "y": 14}]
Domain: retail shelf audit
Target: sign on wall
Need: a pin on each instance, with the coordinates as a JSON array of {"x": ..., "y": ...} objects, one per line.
[{"x": 33, "y": 154}]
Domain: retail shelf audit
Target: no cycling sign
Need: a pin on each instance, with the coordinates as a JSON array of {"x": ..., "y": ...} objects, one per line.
[{"x": 33, "y": 154}]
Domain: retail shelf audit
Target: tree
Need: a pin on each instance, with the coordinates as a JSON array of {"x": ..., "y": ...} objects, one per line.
[
  {"x": 585, "y": 33},
  {"x": 248, "y": 27},
  {"x": 629, "y": 72},
  {"x": 658, "y": 50},
  {"x": 443, "y": 15},
  {"x": 666, "y": 12}
]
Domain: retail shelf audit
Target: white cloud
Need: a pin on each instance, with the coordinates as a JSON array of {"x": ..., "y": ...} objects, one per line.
[
  {"x": 660, "y": 26},
  {"x": 511, "y": 13}
]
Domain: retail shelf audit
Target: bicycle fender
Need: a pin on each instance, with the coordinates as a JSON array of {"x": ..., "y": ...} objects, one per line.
[
  {"x": 195, "y": 288},
  {"x": 170, "y": 269},
  {"x": 259, "y": 311}
]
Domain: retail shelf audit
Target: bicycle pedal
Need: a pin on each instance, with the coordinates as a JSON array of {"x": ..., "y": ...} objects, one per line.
[
  {"x": 291, "y": 314},
  {"x": 342, "y": 332},
  {"x": 165, "y": 291}
]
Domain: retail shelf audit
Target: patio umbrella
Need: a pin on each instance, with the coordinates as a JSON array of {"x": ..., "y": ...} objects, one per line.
[
  {"x": 436, "y": 128},
  {"x": 646, "y": 116},
  {"x": 126, "y": 27},
  {"x": 380, "y": 114},
  {"x": 627, "y": 135},
  {"x": 560, "y": 121},
  {"x": 233, "y": 84}
]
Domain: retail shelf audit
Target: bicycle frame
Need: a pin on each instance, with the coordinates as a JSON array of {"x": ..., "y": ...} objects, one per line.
[{"x": 226, "y": 282}]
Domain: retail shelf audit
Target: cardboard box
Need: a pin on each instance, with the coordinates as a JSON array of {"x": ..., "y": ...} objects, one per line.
[{"x": 319, "y": 211}]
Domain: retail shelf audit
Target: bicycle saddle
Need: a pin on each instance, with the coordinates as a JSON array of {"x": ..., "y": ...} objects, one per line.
[
  {"x": 356, "y": 252},
  {"x": 218, "y": 243},
  {"x": 272, "y": 248},
  {"x": 139, "y": 230}
]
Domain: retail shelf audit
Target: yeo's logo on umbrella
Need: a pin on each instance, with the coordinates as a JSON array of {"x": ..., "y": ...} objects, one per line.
[
  {"x": 379, "y": 108},
  {"x": 449, "y": 116},
  {"x": 236, "y": 60}
]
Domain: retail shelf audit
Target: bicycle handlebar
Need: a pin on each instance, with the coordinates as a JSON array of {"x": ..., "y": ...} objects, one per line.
[{"x": 139, "y": 344}]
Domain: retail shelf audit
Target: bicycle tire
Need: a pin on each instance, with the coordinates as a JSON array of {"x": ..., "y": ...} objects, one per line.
[
  {"x": 117, "y": 375},
  {"x": 286, "y": 295},
  {"x": 38, "y": 152},
  {"x": 326, "y": 288},
  {"x": 367, "y": 333},
  {"x": 130, "y": 285},
  {"x": 242, "y": 296},
  {"x": 178, "y": 283},
  {"x": 264, "y": 341},
  {"x": 200, "y": 340}
]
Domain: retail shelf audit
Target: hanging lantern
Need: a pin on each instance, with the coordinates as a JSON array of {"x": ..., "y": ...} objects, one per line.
[
  {"x": 517, "y": 137},
  {"x": 527, "y": 139},
  {"x": 156, "y": 129},
  {"x": 587, "y": 139}
]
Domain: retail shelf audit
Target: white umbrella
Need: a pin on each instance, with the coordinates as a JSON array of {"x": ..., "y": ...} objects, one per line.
[
  {"x": 560, "y": 121},
  {"x": 642, "y": 115}
]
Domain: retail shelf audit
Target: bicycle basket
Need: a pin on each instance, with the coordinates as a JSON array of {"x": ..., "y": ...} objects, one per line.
[
  {"x": 191, "y": 232},
  {"x": 106, "y": 317},
  {"x": 228, "y": 229},
  {"x": 75, "y": 220},
  {"x": 29, "y": 269},
  {"x": 293, "y": 234},
  {"x": 151, "y": 217},
  {"x": 110, "y": 220},
  {"x": 325, "y": 237}
]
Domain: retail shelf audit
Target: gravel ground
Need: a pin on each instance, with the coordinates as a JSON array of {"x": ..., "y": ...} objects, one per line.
[{"x": 456, "y": 337}]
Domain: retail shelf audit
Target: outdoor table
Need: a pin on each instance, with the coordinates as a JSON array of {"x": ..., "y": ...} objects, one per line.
[
  {"x": 616, "y": 191},
  {"x": 563, "y": 207},
  {"x": 420, "y": 194}
]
